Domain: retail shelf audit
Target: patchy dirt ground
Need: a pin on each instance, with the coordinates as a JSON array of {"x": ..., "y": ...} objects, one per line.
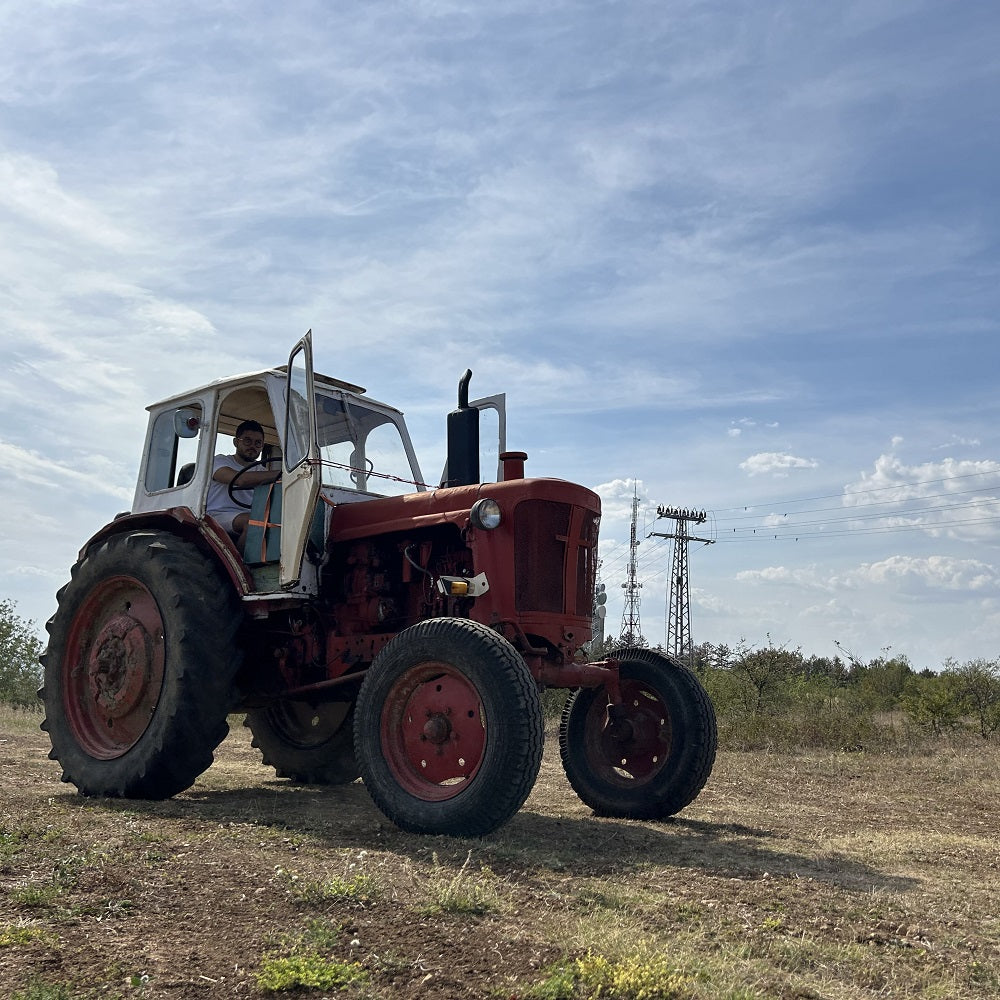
[{"x": 830, "y": 876}]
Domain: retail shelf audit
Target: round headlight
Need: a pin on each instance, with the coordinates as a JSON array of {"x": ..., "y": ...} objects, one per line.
[{"x": 485, "y": 514}]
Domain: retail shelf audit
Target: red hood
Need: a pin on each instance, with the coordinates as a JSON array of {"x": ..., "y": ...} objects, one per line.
[{"x": 449, "y": 505}]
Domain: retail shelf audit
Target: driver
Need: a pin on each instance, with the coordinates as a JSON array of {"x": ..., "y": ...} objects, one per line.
[{"x": 249, "y": 443}]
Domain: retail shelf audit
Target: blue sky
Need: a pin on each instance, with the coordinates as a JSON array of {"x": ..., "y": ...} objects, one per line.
[{"x": 739, "y": 256}]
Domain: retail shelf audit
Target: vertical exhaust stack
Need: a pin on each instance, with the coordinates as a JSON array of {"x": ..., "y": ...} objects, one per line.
[{"x": 463, "y": 439}]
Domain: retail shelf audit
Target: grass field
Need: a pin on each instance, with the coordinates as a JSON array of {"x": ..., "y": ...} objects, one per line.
[{"x": 821, "y": 875}]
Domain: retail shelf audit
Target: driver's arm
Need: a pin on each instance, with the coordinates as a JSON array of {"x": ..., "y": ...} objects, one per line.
[{"x": 226, "y": 475}]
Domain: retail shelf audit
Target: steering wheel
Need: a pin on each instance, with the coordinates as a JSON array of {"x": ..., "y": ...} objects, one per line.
[{"x": 236, "y": 479}]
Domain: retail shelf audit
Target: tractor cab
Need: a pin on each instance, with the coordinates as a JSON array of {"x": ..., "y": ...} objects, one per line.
[{"x": 333, "y": 444}]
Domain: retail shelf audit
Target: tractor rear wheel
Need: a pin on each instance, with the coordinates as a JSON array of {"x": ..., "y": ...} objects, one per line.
[
  {"x": 448, "y": 729},
  {"x": 648, "y": 757},
  {"x": 139, "y": 666},
  {"x": 309, "y": 744}
]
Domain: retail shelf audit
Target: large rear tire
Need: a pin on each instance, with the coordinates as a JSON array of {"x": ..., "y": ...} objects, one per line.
[
  {"x": 308, "y": 744},
  {"x": 448, "y": 729},
  {"x": 139, "y": 667},
  {"x": 648, "y": 757}
]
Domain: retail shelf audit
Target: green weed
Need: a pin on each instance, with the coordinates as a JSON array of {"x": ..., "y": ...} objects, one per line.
[
  {"x": 69, "y": 868},
  {"x": 635, "y": 977},
  {"x": 42, "y": 991},
  {"x": 321, "y": 935},
  {"x": 21, "y": 934},
  {"x": 642, "y": 976},
  {"x": 65, "y": 874},
  {"x": 11, "y": 843},
  {"x": 353, "y": 885},
  {"x": 37, "y": 897},
  {"x": 308, "y": 971},
  {"x": 461, "y": 892},
  {"x": 559, "y": 984},
  {"x": 983, "y": 975}
]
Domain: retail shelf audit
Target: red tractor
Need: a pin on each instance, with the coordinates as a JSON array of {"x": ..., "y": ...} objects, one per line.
[{"x": 371, "y": 626}]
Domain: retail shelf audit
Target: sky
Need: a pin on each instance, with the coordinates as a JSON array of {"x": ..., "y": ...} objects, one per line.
[{"x": 732, "y": 256}]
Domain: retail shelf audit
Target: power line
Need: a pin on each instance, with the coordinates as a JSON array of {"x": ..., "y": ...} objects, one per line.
[
  {"x": 766, "y": 533},
  {"x": 872, "y": 503},
  {"x": 873, "y": 515},
  {"x": 855, "y": 493}
]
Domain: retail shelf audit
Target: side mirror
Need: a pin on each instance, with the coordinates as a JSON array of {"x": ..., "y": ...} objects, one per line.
[{"x": 187, "y": 422}]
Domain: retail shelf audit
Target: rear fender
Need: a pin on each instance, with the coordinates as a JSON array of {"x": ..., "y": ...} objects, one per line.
[{"x": 205, "y": 532}]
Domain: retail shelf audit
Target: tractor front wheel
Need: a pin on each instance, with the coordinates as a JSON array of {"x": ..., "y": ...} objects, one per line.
[
  {"x": 309, "y": 744},
  {"x": 139, "y": 666},
  {"x": 448, "y": 729},
  {"x": 651, "y": 755}
]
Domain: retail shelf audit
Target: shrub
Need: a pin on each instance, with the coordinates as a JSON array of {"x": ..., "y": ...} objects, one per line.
[
  {"x": 932, "y": 702},
  {"x": 977, "y": 684},
  {"x": 20, "y": 648}
]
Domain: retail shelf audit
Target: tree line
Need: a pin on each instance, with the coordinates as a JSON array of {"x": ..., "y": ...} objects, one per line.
[
  {"x": 780, "y": 698},
  {"x": 768, "y": 697}
]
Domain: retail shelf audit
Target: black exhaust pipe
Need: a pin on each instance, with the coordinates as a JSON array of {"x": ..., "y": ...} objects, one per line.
[{"x": 463, "y": 439}]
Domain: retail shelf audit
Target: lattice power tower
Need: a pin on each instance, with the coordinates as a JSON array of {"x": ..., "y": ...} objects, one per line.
[{"x": 678, "y": 639}]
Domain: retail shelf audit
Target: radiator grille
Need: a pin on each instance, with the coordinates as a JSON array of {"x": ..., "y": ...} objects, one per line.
[{"x": 555, "y": 557}]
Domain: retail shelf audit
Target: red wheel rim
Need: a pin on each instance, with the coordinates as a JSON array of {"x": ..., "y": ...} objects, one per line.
[
  {"x": 113, "y": 668},
  {"x": 433, "y": 731},
  {"x": 630, "y": 743}
]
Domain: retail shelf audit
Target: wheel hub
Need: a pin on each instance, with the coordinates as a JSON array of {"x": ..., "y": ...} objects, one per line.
[
  {"x": 437, "y": 729},
  {"x": 635, "y": 738},
  {"x": 118, "y": 665},
  {"x": 620, "y": 728}
]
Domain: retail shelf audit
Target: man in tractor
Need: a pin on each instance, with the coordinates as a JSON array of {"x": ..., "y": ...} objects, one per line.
[{"x": 221, "y": 505}]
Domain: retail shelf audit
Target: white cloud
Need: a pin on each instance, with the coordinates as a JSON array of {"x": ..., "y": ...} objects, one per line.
[
  {"x": 956, "y": 441},
  {"x": 31, "y": 191},
  {"x": 932, "y": 572},
  {"x": 941, "y": 573},
  {"x": 617, "y": 495},
  {"x": 810, "y": 577},
  {"x": 893, "y": 480},
  {"x": 952, "y": 498},
  {"x": 93, "y": 474},
  {"x": 775, "y": 463}
]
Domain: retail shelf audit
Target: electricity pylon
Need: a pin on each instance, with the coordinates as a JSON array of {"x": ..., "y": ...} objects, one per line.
[{"x": 678, "y": 625}]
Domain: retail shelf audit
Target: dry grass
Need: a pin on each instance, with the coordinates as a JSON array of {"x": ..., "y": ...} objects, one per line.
[{"x": 827, "y": 875}]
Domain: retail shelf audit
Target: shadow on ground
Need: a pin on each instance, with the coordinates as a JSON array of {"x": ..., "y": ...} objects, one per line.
[{"x": 585, "y": 846}]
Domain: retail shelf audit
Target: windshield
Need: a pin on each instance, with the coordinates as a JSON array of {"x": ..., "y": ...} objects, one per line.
[{"x": 361, "y": 448}]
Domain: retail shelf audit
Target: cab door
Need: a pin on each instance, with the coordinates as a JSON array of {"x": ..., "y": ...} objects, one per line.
[{"x": 300, "y": 476}]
